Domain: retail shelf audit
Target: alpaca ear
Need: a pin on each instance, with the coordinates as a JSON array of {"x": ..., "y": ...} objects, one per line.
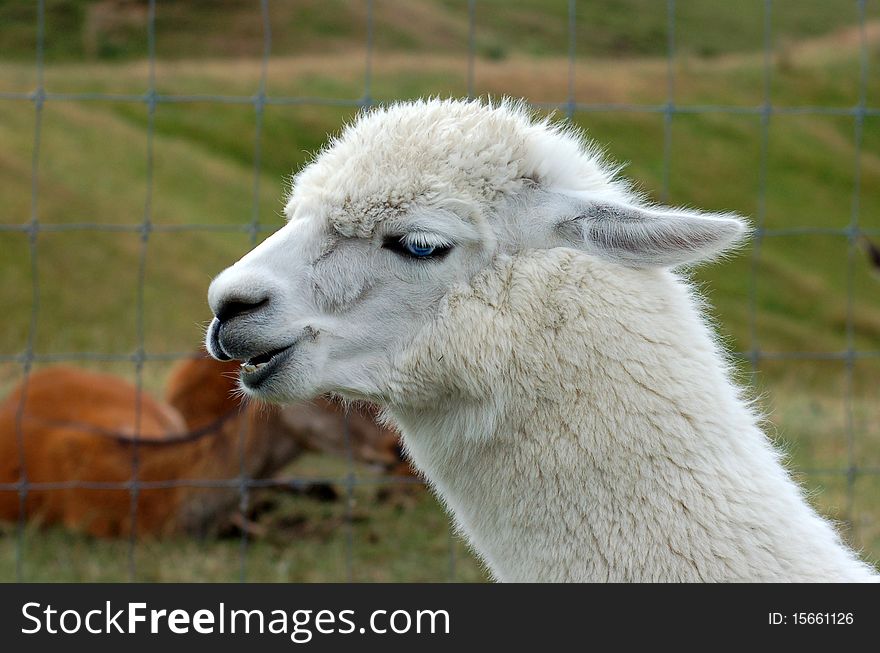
[{"x": 652, "y": 236}]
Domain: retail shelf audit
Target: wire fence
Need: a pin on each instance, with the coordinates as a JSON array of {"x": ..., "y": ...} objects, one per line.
[{"x": 766, "y": 111}]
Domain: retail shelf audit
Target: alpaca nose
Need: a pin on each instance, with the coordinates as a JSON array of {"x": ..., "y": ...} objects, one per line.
[
  {"x": 243, "y": 299},
  {"x": 225, "y": 310},
  {"x": 232, "y": 307},
  {"x": 236, "y": 292}
]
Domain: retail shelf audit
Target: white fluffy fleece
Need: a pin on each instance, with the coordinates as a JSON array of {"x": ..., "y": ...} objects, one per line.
[
  {"x": 552, "y": 374},
  {"x": 593, "y": 434},
  {"x": 410, "y": 155}
]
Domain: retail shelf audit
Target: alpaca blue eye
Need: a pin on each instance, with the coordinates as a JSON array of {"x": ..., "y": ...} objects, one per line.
[
  {"x": 399, "y": 245},
  {"x": 419, "y": 251}
]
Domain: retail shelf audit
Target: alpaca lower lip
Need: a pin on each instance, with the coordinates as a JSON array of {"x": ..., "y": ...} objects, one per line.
[{"x": 258, "y": 368}]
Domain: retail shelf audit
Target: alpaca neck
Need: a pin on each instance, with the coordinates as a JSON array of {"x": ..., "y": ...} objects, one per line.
[{"x": 632, "y": 461}]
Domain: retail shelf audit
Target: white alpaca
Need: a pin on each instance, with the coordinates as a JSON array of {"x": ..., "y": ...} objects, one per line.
[{"x": 485, "y": 277}]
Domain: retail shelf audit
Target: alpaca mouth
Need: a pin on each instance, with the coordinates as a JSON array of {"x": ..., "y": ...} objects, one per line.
[{"x": 257, "y": 369}]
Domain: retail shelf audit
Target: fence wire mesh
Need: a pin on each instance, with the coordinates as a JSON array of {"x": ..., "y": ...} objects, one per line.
[{"x": 33, "y": 227}]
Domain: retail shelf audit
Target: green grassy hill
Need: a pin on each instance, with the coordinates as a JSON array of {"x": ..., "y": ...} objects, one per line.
[
  {"x": 116, "y": 29},
  {"x": 92, "y": 164}
]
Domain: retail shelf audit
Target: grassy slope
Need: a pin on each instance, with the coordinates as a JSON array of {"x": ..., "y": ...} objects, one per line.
[
  {"x": 92, "y": 166},
  {"x": 92, "y": 29}
]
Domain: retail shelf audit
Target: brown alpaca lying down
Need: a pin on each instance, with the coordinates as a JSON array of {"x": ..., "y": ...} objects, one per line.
[{"x": 78, "y": 427}]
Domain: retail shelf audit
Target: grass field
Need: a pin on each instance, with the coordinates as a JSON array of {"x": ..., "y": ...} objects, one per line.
[{"x": 92, "y": 167}]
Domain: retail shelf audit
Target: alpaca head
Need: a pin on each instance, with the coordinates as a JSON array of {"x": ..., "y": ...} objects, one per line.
[{"x": 410, "y": 206}]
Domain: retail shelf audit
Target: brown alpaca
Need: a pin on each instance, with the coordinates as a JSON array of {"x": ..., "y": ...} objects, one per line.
[{"x": 78, "y": 427}]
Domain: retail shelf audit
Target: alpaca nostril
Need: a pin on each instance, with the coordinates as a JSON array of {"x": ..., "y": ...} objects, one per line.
[{"x": 235, "y": 307}]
